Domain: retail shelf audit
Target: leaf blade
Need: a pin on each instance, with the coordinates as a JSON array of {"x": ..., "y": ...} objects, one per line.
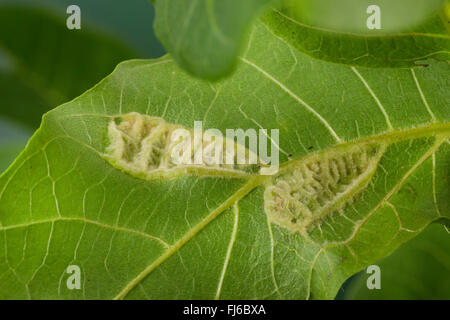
[{"x": 63, "y": 165}]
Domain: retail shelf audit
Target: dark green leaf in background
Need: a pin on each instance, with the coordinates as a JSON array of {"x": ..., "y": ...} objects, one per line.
[
  {"x": 418, "y": 270},
  {"x": 13, "y": 138},
  {"x": 43, "y": 64},
  {"x": 8, "y": 152},
  {"x": 205, "y": 36},
  {"x": 351, "y": 15}
]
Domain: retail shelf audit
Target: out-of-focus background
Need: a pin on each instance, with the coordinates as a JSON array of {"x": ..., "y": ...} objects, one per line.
[{"x": 44, "y": 64}]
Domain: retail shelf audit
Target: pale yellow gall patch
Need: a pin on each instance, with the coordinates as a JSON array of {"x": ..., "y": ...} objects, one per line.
[
  {"x": 322, "y": 184},
  {"x": 152, "y": 148}
]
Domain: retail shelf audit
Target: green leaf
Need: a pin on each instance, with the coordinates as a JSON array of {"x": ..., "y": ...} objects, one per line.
[
  {"x": 418, "y": 270},
  {"x": 336, "y": 31},
  {"x": 352, "y": 15},
  {"x": 205, "y": 36},
  {"x": 376, "y": 142},
  {"x": 203, "y": 42},
  {"x": 51, "y": 64}
]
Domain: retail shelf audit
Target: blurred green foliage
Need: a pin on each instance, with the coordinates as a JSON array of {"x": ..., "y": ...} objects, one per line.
[
  {"x": 420, "y": 269},
  {"x": 43, "y": 64},
  {"x": 396, "y": 15}
]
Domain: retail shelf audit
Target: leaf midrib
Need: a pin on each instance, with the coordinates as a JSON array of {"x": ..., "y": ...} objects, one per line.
[
  {"x": 242, "y": 192},
  {"x": 260, "y": 180},
  {"x": 431, "y": 129},
  {"x": 436, "y": 129}
]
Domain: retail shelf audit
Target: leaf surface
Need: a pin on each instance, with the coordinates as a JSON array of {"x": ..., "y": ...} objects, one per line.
[
  {"x": 349, "y": 41},
  {"x": 209, "y": 234}
]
